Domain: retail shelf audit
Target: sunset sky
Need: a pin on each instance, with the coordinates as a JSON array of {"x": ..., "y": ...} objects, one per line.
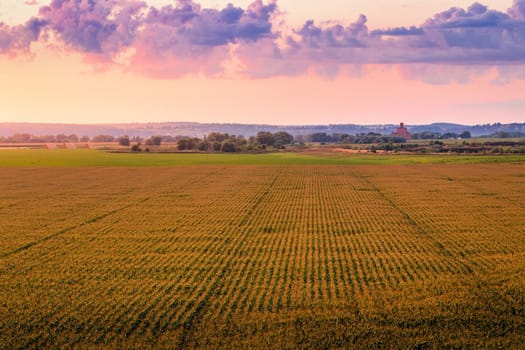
[{"x": 278, "y": 62}]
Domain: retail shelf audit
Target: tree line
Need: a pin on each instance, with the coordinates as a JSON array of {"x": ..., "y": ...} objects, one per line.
[
  {"x": 60, "y": 138},
  {"x": 29, "y": 138},
  {"x": 429, "y": 135},
  {"x": 362, "y": 138},
  {"x": 224, "y": 142},
  {"x": 73, "y": 138}
]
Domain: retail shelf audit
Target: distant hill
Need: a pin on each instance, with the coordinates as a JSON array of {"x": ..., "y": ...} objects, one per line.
[
  {"x": 475, "y": 130},
  {"x": 200, "y": 129}
]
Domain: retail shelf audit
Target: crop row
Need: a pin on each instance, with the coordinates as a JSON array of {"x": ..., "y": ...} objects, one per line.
[{"x": 156, "y": 256}]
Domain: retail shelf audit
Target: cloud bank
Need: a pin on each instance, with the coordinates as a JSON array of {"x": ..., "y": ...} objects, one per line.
[{"x": 185, "y": 38}]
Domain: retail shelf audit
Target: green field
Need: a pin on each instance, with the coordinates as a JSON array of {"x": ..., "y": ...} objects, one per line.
[
  {"x": 81, "y": 157},
  {"x": 312, "y": 250}
]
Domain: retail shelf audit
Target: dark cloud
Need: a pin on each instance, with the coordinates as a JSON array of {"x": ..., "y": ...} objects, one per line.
[
  {"x": 176, "y": 16},
  {"x": 476, "y": 35},
  {"x": 477, "y": 16},
  {"x": 399, "y": 31},
  {"x": 188, "y": 23},
  {"x": 337, "y": 35},
  {"x": 231, "y": 14},
  {"x": 102, "y": 27}
]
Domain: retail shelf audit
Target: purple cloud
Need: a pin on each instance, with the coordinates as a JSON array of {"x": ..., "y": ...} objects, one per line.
[
  {"x": 188, "y": 23},
  {"x": 335, "y": 35},
  {"x": 517, "y": 11},
  {"x": 102, "y": 27},
  {"x": 187, "y": 38},
  {"x": 399, "y": 31},
  {"x": 476, "y": 35},
  {"x": 20, "y": 37}
]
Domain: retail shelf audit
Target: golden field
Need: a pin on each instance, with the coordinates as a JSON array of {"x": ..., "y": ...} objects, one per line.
[{"x": 263, "y": 256}]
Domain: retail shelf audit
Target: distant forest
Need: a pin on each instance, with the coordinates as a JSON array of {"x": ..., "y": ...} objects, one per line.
[
  {"x": 265, "y": 140},
  {"x": 211, "y": 141},
  {"x": 47, "y": 132}
]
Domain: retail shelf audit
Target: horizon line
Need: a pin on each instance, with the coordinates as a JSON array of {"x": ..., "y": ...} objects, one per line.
[{"x": 261, "y": 124}]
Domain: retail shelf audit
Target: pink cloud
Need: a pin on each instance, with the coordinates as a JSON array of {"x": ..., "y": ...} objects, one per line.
[
  {"x": 186, "y": 38},
  {"x": 15, "y": 39}
]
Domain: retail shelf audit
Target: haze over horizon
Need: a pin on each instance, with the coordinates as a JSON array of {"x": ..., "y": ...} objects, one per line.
[
  {"x": 283, "y": 62},
  {"x": 394, "y": 123}
]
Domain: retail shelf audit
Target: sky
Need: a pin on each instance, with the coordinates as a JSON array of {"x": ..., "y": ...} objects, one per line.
[{"x": 275, "y": 62}]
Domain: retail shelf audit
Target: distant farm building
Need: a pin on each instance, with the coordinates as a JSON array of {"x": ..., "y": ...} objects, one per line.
[{"x": 401, "y": 131}]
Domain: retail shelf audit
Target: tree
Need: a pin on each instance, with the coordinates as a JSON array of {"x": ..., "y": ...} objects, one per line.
[
  {"x": 124, "y": 141},
  {"x": 203, "y": 146},
  {"x": 397, "y": 139},
  {"x": 465, "y": 135},
  {"x": 347, "y": 139},
  {"x": 426, "y": 135},
  {"x": 318, "y": 137},
  {"x": 187, "y": 143},
  {"x": 265, "y": 138},
  {"x": 102, "y": 138},
  {"x": 62, "y": 138},
  {"x": 72, "y": 138},
  {"x": 215, "y": 146},
  {"x": 449, "y": 135},
  {"x": 228, "y": 146},
  {"x": 154, "y": 141},
  {"x": 282, "y": 138},
  {"x": 135, "y": 148},
  {"x": 21, "y": 138},
  {"x": 241, "y": 141},
  {"x": 217, "y": 137}
]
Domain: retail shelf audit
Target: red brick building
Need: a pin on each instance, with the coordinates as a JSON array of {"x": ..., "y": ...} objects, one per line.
[{"x": 402, "y": 132}]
